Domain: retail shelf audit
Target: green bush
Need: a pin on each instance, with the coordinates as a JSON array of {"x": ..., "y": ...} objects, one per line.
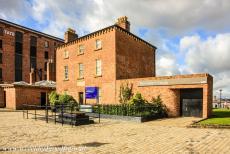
[
  {"x": 54, "y": 98},
  {"x": 126, "y": 92},
  {"x": 137, "y": 100},
  {"x": 58, "y": 99},
  {"x": 158, "y": 106}
]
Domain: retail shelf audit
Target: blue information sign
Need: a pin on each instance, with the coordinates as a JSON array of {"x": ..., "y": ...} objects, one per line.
[{"x": 91, "y": 92}]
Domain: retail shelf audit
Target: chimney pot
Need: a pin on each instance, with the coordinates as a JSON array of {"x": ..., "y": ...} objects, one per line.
[
  {"x": 123, "y": 23},
  {"x": 70, "y": 35}
]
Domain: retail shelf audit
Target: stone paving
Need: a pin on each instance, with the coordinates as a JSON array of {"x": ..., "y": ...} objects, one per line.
[{"x": 111, "y": 136}]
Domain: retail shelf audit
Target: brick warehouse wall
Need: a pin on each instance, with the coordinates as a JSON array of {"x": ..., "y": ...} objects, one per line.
[
  {"x": 171, "y": 94},
  {"x": 106, "y": 82},
  {"x": 17, "y": 96},
  {"x": 134, "y": 58},
  {"x": 8, "y": 53}
]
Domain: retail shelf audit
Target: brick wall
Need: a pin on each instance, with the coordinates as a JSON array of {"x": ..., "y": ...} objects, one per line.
[
  {"x": 17, "y": 96},
  {"x": 8, "y": 54},
  {"x": 170, "y": 95},
  {"x": 134, "y": 59},
  {"x": 73, "y": 85}
]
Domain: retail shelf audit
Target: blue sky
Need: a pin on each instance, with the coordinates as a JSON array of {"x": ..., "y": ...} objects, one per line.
[{"x": 191, "y": 36}]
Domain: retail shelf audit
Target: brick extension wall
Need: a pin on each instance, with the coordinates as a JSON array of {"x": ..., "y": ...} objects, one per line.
[{"x": 16, "y": 96}]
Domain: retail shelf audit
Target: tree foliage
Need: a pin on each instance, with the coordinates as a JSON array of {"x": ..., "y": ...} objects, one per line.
[{"x": 126, "y": 92}]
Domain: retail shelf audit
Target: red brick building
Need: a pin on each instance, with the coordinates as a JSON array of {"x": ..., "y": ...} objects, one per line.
[
  {"x": 113, "y": 55},
  {"x": 25, "y": 55},
  {"x": 21, "y": 49}
]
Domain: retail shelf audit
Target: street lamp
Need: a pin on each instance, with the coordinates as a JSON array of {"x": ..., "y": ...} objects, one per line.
[{"x": 220, "y": 97}]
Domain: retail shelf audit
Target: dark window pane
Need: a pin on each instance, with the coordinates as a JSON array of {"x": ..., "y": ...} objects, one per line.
[
  {"x": 33, "y": 63},
  {"x": 0, "y": 44},
  {"x": 33, "y": 51},
  {"x": 0, "y": 58},
  {"x": 1, "y": 74},
  {"x": 18, "y": 42},
  {"x": 18, "y": 61},
  {"x": 18, "y": 47},
  {"x": 45, "y": 66},
  {"x": 18, "y": 75},
  {"x": 18, "y": 37},
  {"x": 33, "y": 41},
  {"x": 18, "y": 67},
  {"x": 1, "y": 31},
  {"x": 46, "y": 55},
  {"x": 45, "y": 77}
]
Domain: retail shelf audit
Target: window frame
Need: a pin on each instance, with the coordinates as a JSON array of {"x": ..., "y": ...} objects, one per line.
[
  {"x": 98, "y": 67},
  {"x": 80, "y": 71},
  {"x": 46, "y": 44},
  {"x": 66, "y": 54},
  {"x": 66, "y": 73},
  {"x": 96, "y": 44},
  {"x": 81, "y": 51}
]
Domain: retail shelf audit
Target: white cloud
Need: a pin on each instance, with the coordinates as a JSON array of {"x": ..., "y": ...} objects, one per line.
[{"x": 210, "y": 55}]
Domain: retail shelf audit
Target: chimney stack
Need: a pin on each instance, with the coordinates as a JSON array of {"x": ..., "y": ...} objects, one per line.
[
  {"x": 32, "y": 77},
  {"x": 123, "y": 23},
  {"x": 70, "y": 35}
]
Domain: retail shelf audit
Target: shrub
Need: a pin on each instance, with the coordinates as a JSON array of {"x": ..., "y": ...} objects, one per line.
[
  {"x": 137, "y": 100},
  {"x": 67, "y": 99},
  {"x": 53, "y": 98},
  {"x": 160, "y": 108}
]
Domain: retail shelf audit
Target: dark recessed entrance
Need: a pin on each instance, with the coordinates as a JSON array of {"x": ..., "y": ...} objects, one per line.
[
  {"x": 191, "y": 101},
  {"x": 43, "y": 98}
]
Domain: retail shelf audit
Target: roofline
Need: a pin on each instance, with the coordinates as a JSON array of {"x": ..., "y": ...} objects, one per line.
[
  {"x": 29, "y": 29},
  {"x": 112, "y": 26}
]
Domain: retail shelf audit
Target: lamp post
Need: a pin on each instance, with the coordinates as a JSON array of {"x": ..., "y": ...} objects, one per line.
[{"x": 220, "y": 97}]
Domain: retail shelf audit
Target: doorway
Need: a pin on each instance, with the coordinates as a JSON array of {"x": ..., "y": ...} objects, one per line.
[
  {"x": 80, "y": 97},
  {"x": 43, "y": 98},
  {"x": 191, "y": 102}
]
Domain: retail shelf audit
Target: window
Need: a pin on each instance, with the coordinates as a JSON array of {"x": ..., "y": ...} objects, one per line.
[
  {"x": 0, "y": 58},
  {"x": 98, "y": 44},
  {"x": 46, "y": 55},
  {"x": 81, "y": 49},
  {"x": 0, "y": 44},
  {"x": 1, "y": 31},
  {"x": 0, "y": 74},
  {"x": 45, "y": 66},
  {"x": 46, "y": 44},
  {"x": 18, "y": 42},
  {"x": 98, "y": 67},
  {"x": 81, "y": 70},
  {"x": 66, "y": 54},
  {"x": 18, "y": 67},
  {"x": 55, "y": 43},
  {"x": 66, "y": 75},
  {"x": 18, "y": 55},
  {"x": 33, "y": 52}
]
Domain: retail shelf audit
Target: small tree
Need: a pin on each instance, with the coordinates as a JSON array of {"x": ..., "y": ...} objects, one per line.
[
  {"x": 53, "y": 98},
  {"x": 126, "y": 93},
  {"x": 160, "y": 108}
]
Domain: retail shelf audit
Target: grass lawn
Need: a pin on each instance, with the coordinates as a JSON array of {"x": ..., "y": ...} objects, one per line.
[{"x": 220, "y": 116}]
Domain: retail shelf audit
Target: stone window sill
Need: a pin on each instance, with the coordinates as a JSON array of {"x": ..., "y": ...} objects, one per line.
[
  {"x": 66, "y": 80},
  {"x": 79, "y": 54},
  {"x": 79, "y": 79},
  {"x": 98, "y": 49},
  {"x": 97, "y": 76}
]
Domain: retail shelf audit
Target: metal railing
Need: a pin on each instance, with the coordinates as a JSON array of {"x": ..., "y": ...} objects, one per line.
[{"x": 64, "y": 114}]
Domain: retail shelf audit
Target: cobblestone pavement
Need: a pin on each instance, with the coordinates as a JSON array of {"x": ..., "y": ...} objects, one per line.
[{"x": 111, "y": 136}]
